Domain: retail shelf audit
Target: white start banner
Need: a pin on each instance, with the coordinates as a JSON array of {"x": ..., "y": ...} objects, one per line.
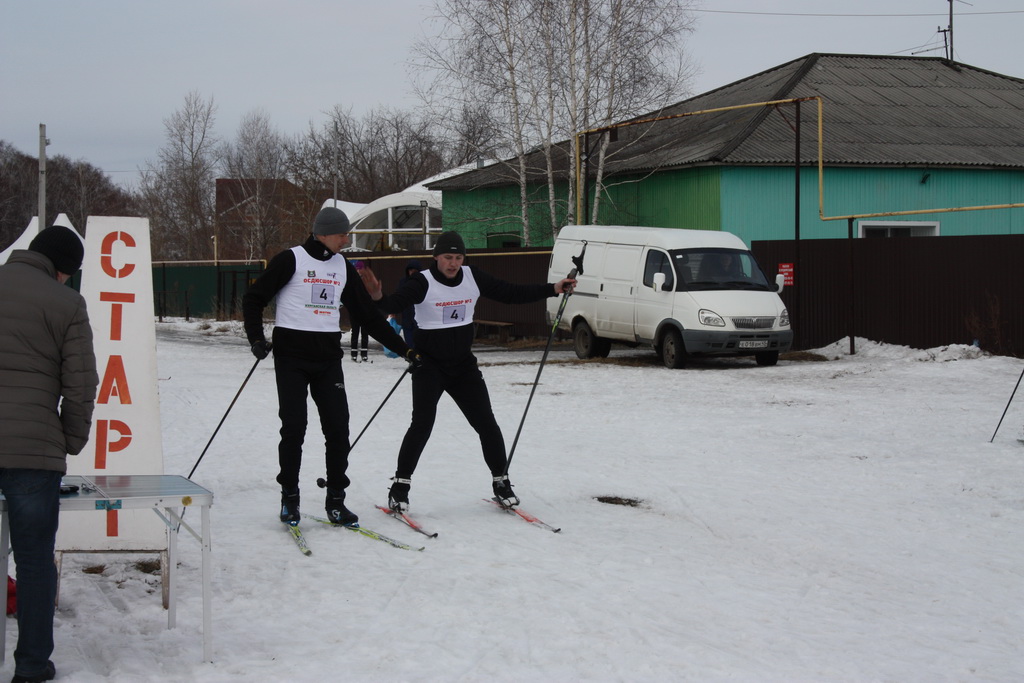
[{"x": 117, "y": 283}]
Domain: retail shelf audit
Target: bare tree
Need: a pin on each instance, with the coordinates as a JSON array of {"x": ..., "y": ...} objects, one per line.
[
  {"x": 177, "y": 192},
  {"x": 384, "y": 152},
  {"x": 549, "y": 69},
  {"x": 19, "y": 182},
  {"x": 75, "y": 188},
  {"x": 256, "y": 209}
]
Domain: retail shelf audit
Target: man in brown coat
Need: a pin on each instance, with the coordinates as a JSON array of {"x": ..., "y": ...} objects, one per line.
[{"x": 47, "y": 391}]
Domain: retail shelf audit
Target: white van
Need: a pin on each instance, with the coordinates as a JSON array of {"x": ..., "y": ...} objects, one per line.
[{"x": 685, "y": 292}]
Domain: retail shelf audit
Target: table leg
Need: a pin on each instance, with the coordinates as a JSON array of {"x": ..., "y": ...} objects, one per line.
[
  {"x": 207, "y": 589},
  {"x": 172, "y": 583}
]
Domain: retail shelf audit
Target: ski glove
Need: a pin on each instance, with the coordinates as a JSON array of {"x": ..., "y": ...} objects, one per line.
[
  {"x": 415, "y": 360},
  {"x": 261, "y": 349}
]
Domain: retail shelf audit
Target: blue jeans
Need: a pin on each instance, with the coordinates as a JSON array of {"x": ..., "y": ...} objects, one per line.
[{"x": 33, "y": 508}]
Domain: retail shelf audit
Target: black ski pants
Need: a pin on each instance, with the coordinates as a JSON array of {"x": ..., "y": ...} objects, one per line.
[
  {"x": 468, "y": 390},
  {"x": 326, "y": 384}
]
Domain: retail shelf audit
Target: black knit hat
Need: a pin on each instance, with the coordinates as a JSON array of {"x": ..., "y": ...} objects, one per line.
[
  {"x": 331, "y": 221},
  {"x": 62, "y": 246},
  {"x": 449, "y": 243}
]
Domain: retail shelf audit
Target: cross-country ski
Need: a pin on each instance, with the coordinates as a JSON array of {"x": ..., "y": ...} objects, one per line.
[
  {"x": 300, "y": 540},
  {"x": 407, "y": 520},
  {"x": 369, "y": 533},
  {"x": 525, "y": 516}
]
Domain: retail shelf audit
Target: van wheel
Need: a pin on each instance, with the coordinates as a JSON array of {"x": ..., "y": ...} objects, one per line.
[
  {"x": 767, "y": 358},
  {"x": 587, "y": 344},
  {"x": 673, "y": 352}
]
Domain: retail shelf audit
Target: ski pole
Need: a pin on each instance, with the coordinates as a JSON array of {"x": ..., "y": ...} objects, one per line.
[
  {"x": 321, "y": 482},
  {"x": 379, "y": 408},
  {"x": 1007, "y": 405},
  {"x": 225, "y": 416},
  {"x": 578, "y": 269},
  {"x": 232, "y": 405}
]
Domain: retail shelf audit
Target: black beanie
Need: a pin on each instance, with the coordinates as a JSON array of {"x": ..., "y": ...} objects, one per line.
[
  {"x": 62, "y": 246},
  {"x": 449, "y": 243},
  {"x": 331, "y": 221}
]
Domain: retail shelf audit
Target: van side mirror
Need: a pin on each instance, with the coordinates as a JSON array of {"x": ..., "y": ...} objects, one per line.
[
  {"x": 659, "y": 282},
  {"x": 780, "y": 282}
]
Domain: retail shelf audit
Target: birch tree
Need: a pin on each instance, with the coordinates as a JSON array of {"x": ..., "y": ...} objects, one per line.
[
  {"x": 548, "y": 69},
  {"x": 255, "y": 161},
  {"x": 177, "y": 191}
]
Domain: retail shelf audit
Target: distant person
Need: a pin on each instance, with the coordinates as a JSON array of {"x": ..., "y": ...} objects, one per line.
[
  {"x": 311, "y": 282},
  {"x": 360, "y": 342},
  {"x": 408, "y": 319},
  {"x": 720, "y": 266},
  {"x": 47, "y": 393},
  {"x": 445, "y": 297}
]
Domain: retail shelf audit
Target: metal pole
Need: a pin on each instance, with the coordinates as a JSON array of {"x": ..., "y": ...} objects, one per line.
[
  {"x": 336, "y": 145},
  {"x": 853, "y": 286},
  {"x": 796, "y": 229},
  {"x": 43, "y": 142}
]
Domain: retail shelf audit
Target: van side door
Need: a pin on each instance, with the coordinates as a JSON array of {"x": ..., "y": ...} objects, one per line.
[
  {"x": 619, "y": 276},
  {"x": 653, "y": 304}
]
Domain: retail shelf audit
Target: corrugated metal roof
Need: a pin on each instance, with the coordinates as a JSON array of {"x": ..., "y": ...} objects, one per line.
[{"x": 878, "y": 111}]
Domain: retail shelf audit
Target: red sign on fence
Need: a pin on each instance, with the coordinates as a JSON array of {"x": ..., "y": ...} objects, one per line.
[{"x": 787, "y": 270}]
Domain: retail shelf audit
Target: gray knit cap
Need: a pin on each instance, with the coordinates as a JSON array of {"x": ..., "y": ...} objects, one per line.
[{"x": 331, "y": 221}]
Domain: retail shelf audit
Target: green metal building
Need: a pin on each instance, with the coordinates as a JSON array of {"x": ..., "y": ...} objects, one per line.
[{"x": 899, "y": 134}]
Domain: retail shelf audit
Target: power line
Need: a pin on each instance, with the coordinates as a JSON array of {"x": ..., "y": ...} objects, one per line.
[{"x": 817, "y": 14}]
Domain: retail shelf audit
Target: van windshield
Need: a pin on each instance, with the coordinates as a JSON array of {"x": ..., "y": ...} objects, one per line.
[{"x": 714, "y": 268}]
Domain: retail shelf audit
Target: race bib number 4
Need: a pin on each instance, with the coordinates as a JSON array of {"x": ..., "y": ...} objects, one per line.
[
  {"x": 453, "y": 315},
  {"x": 322, "y": 294}
]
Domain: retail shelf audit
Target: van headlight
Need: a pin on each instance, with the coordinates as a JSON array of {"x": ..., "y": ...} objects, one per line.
[
  {"x": 710, "y": 318},
  {"x": 784, "y": 318}
]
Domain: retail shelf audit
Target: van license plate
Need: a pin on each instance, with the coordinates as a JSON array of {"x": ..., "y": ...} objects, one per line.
[{"x": 758, "y": 344}]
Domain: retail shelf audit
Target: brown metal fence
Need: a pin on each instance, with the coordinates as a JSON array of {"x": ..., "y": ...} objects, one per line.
[
  {"x": 921, "y": 292},
  {"x": 521, "y": 266}
]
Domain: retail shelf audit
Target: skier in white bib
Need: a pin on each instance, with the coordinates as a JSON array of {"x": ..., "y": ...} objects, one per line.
[
  {"x": 311, "y": 282},
  {"x": 444, "y": 298}
]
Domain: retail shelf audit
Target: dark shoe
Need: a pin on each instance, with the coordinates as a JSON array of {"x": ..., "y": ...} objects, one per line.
[
  {"x": 365, "y": 357},
  {"x": 398, "y": 496},
  {"x": 503, "y": 492},
  {"x": 355, "y": 356},
  {"x": 290, "y": 506},
  {"x": 48, "y": 674},
  {"x": 336, "y": 510}
]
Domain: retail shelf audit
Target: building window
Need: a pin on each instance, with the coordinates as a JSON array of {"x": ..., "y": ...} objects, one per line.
[{"x": 898, "y": 229}]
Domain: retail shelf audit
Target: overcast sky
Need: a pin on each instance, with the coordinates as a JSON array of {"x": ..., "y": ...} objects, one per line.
[{"x": 104, "y": 74}]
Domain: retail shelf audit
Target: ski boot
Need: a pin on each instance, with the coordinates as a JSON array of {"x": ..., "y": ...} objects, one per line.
[
  {"x": 398, "y": 496},
  {"x": 336, "y": 510},
  {"x": 290, "y": 506},
  {"x": 503, "y": 492}
]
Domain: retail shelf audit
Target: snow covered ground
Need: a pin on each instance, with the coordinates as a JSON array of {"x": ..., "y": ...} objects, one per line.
[{"x": 845, "y": 520}]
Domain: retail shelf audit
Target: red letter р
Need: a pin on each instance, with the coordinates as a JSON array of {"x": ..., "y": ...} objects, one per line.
[{"x": 104, "y": 428}]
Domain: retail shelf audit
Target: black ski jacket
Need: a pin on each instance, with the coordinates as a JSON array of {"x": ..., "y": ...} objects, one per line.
[
  {"x": 315, "y": 346},
  {"x": 451, "y": 348}
]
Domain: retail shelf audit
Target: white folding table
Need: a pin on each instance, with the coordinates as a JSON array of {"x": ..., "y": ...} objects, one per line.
[{"x": 165, "y": 494}]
